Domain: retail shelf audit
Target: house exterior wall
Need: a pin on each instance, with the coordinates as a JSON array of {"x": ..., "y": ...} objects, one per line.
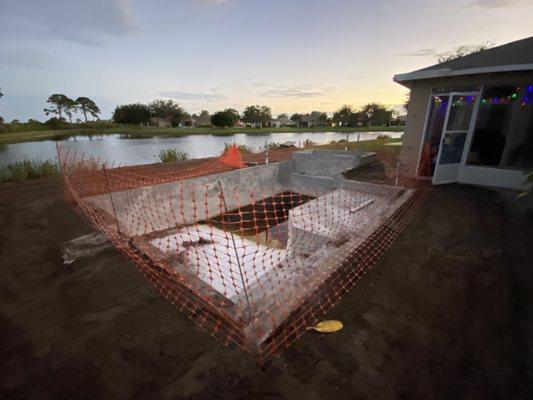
[
  {"x": 164, "y": 124},
  {"x": 418, "y": 107},
  {"x": 159, "y": 122}
]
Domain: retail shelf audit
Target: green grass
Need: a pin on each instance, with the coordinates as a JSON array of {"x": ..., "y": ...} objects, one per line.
[
  {"x": 147, "y": 132},
  {"x": 29, "y": 169},
  {"x": 365, "y": 145}
]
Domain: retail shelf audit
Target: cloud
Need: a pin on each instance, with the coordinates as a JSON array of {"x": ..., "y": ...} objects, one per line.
[
  {"x": 24, "y": 58},
  {"x": 187, "y": 96},
  {"x": 294, "y": 91},
  {"x": 359, "y": 76},
  {"x": 492, "y": 3},
  {"x": 91, "y": 23},
  {"x": 220, "y": 86},
  {"x": 419, "y": 53},
  {"x": 211, "y": 1}
]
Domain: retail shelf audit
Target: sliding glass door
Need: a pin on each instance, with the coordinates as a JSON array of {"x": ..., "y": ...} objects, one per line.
[{"x": 458, "y": 125}]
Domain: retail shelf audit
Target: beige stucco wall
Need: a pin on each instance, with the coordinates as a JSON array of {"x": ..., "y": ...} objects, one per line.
[{"x": 416, "y": 116}]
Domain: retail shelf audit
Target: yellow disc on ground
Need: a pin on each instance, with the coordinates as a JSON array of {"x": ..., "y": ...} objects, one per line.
[{"x": 328, "y": 326}]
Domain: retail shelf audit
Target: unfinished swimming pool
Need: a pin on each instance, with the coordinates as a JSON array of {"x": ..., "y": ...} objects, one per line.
[{"x": 254, "y": 255}]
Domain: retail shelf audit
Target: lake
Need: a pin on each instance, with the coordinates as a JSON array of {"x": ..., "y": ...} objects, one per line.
[{"x": 135, "y": 151}]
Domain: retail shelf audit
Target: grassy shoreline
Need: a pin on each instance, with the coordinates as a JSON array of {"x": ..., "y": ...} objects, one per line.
[
  {"x": 365, "y": 145},
  {"x": 147, "y": 132},
  {"x": 28, "y": 169}
]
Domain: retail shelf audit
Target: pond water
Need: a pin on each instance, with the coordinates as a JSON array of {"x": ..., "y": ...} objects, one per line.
[{"x": 135, "y": 151}]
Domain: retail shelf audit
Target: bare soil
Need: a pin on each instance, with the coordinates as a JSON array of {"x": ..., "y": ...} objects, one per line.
[{"x": 446, "y": 314}]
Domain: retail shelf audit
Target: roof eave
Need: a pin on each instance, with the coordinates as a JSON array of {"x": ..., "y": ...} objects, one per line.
[{"x": 404, "y": 79}]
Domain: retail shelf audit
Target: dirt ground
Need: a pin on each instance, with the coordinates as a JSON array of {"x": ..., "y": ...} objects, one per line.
[{"x": 446, "y": 314}]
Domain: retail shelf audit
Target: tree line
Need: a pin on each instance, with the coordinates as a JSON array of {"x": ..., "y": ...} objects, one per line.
[
  {"x": 61, "y": 108},
  {"x": 372, "y": 114},
  {"x": 138, "y": 113}
]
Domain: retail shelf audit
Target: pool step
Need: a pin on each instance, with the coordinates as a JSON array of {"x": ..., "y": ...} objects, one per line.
[{"x": 323, "y": 182}]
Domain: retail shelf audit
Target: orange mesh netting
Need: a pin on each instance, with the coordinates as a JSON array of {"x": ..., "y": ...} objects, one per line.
[
  {"x": 95, "y": 177},
  {"x": 270, "y": 155},
  {"x": 251, "y": 258}
]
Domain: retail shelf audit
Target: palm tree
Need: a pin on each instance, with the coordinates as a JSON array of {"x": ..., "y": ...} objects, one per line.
[
  {"x": 87, "y": 105},
  {"x": 58, "y": 104},
  {"x": 70, "y": 107}
]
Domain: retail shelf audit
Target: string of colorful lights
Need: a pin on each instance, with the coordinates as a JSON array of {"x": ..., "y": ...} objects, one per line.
[{"x": 461, "y": 100}]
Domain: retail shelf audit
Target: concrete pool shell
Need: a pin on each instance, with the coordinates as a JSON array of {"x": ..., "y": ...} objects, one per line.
[{"x": 253, "y": 245}]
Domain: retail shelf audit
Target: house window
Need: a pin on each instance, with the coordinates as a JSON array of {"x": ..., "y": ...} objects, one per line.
[{"x": 503, "y": 136}]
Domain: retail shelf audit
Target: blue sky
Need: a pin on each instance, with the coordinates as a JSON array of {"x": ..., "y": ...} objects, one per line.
[{"x": 292, "y": 55}]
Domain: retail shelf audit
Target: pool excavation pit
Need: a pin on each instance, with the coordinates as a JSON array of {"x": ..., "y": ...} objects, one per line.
[{"x": 253, "y": 255}]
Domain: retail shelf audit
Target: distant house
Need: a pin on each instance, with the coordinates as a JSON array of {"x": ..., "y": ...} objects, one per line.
[
  {"x": 307, "y": 121},
  {"x": 279, "y": 122},
  {"x": 399, "y": 120},
  {"x": 470, "y": 119},
  {"x": 159, "y": 122},
  {"x": 254, "y": 124},
  {"x": 204, "y": 119},
  {"x": 187, "y": 123}
]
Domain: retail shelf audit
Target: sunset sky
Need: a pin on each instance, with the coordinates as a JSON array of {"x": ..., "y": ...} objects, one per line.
[{"x": 292, "y": 55}]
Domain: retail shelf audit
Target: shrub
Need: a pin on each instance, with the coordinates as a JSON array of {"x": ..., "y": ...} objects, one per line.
[
  {"x": 275, "y": 146},
  {"x": 56, "y": 123},
  {"x": 3, "y": 128},
  {"x": 383, "y": 137},
  {"x": 529, "y": 180},
  {"x": 98, "y": 124},
  {"x": 171, "y": 155},
  {"x": 28, "y": 169},
  {"x": 131, "y": 114},
  {"x": 243, "y": 149},
  {"x": 340, "y": 141},
  {"x": 222, "y": 119},
  {"x": 308, "y": 143}
]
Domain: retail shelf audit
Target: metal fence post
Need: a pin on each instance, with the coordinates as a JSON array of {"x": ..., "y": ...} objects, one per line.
[
  {"x": 111, "y": 199},
  {"x": 236, "y": 253}
]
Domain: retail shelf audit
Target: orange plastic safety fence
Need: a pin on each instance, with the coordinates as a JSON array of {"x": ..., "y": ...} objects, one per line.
[
  {"x": 271, "y": 155},
  {"x": 93, "y": 176},
  {"x": 253, "y": 264}
]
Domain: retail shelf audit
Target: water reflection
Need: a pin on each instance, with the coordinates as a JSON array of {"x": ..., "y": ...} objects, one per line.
[{"x": 127, "y": 149}]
